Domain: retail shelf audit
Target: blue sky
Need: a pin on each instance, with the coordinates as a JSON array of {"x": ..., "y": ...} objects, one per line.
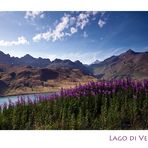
[{"x": 85, "y": 36}]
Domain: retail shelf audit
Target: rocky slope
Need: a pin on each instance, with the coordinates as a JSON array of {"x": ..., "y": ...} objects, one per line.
[
  {"x": 129, "y": 64},
  {"x": 26, "y": 79}
]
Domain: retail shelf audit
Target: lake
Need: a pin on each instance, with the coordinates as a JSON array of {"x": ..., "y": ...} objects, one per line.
[{"x": 15, "y": 98}]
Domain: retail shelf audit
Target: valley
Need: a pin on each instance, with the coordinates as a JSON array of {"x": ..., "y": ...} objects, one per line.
[{"x": 37, "y": 75}]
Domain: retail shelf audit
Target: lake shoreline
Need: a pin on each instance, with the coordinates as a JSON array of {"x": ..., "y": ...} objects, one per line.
[{"x": 28, "y": 93}]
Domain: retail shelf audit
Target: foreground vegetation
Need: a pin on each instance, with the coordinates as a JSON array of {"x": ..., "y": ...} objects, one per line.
[{"x": 116, "y": 104}]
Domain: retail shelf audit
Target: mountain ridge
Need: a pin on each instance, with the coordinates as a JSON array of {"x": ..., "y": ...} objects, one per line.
[
  {"x": 127, "y": 64},
  {"x": 28, "y": 60}
]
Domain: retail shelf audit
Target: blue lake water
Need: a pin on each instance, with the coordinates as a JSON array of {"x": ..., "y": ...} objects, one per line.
[{"x": 15, "y": 98}]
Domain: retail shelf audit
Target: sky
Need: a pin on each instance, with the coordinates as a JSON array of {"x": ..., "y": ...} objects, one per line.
[{"x": 85, "y": 36}]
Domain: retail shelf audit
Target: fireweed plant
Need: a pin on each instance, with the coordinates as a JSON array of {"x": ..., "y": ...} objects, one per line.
[{"x": 110, "y": 105}]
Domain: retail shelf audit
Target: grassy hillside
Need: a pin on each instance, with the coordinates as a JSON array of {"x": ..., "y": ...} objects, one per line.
[{"x": 23, "y": 80}]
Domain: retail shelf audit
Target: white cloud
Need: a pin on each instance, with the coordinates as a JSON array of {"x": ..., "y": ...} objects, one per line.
[
  {"x": 82, "y": 20},
  {"x": 85, "y": 58},
  {"x": 101, "y": 23},
  {"x": 33, "y": 14},
  {"x": 102, "y": 20},
  {"x": 110, "y": 52},
  {"x": 67, "y": 26},
  {"x": 63, "y": 24},
  {"x": 37, "y": 37},
  {"x": 56, "y": 34},
  {"x": 73, "y": 30},
  {"x": 42, "y": 36},
  {"x": 20, "y": 41}
]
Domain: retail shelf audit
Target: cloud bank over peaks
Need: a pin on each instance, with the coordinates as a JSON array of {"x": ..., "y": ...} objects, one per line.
[{"x": 20, "y": 41}]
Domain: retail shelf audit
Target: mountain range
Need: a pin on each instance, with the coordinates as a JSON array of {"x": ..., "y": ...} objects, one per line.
[
  {"x": 28, "y": 60},
  {"x": 128, "y": 64},
  {"x": 31, "y": 75}
]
